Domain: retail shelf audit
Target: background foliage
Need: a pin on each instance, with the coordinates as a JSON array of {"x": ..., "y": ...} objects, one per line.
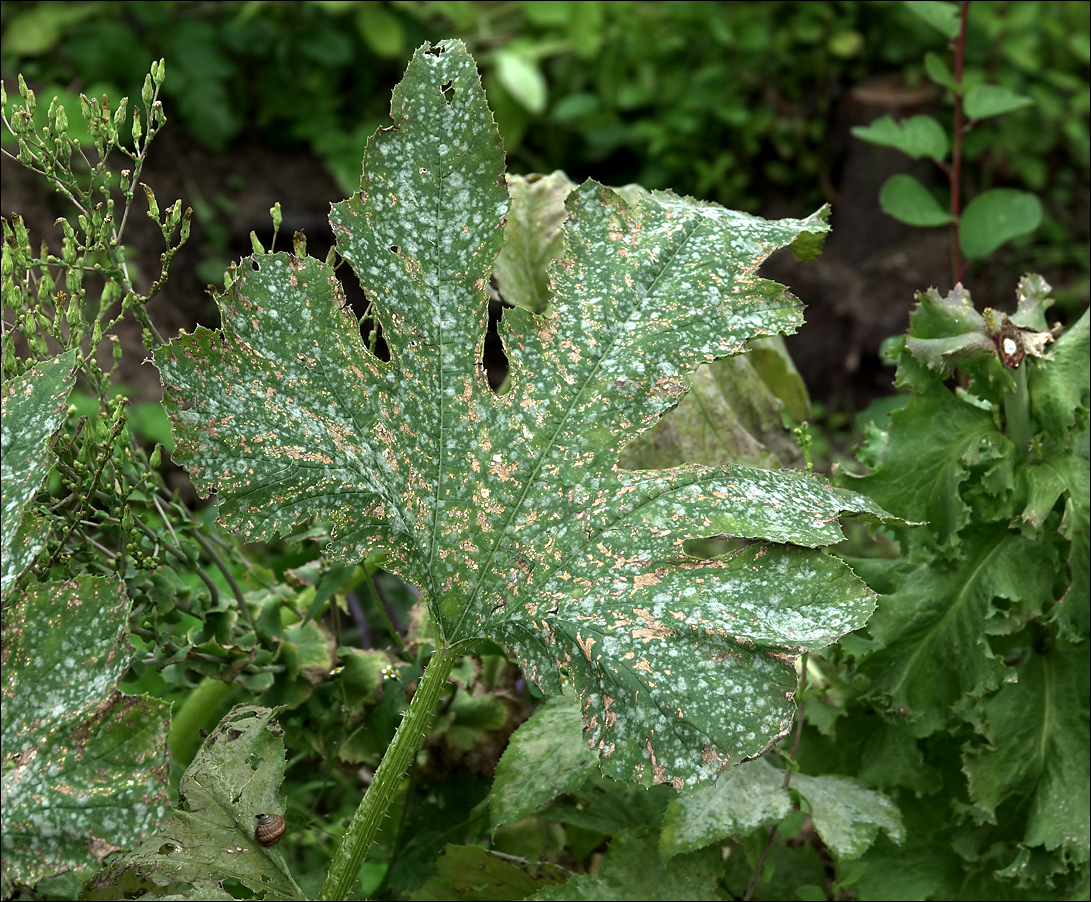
[
  {"x": 709, "y": 99},
  {"x": 738, "y": 103}
]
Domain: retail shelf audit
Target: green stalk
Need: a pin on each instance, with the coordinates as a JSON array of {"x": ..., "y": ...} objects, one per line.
[
  {"x": 1017, "y": 410},
  {"x": 200, "y": 710},
  {"x": 345, "y": 866}
]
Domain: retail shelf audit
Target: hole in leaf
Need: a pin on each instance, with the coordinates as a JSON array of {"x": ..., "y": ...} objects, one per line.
[
  {"x": 448, "y": 90},
  {"x": 494, "y": 361},
  {"x": 371, "y": 330},
  {"x": 394, "y": 249}
]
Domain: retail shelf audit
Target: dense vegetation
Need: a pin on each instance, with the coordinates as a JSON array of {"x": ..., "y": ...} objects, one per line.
[{"x": 454, "y": 498}]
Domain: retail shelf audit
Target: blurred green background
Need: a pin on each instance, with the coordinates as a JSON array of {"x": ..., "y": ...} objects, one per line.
[{"x": 745, "y": 104}]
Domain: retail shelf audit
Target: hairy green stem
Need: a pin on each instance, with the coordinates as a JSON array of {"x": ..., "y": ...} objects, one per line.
[{"x": 399, "y": 755}]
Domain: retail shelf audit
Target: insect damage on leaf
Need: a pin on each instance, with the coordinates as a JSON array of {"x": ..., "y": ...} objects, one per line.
[{"x": 508, "y": 512}]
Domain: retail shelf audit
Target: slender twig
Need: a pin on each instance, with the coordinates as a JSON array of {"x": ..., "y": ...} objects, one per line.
[
  {"x": 213, "y": 555},
  {"x": 759, "y": 867},
  {"x": 185, "y": 558},
  {"x": 377, "y": 598},
  {"x": 956, "y": 152}
]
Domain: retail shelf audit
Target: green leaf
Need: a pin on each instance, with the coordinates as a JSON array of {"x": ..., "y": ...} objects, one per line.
[
  {"x": 808, "y": 246},
  {"x": 741, "y": 800},
  {"x": 469, "y": 718},
  {"x": 604, "y": 805},
  {"x": 508, "y": 512},
  {"x": 37, "y": 30},
  {"x": 633, "y": 852},
  {"x": 916, "y": 137},
  {"x": 942, "y": 16},
  {"x": 946, "y": 332},
  {"x": 546, "y": 757},
  {"x": 847, "y": 816},
  {"x": 927, "y": 868},
  {"x": 933, "y": 628},
  {"x": 1037, "y": 729},
  {"x": 770, "y": 357},
  {"x": 982, "y": 101},
  {"x": 928, "y": 451},
  {"x": 532, "y": 239},
  {"x": 471, "y": 872},
  {"x": 380, "y": 29},
  {"x": 938, "y": 70},
  {"x": 1064, "y": 471},
  {"x": 908, "y": 201},
  {"x": 523, "y": 80},
  {"x": 1060, "y": 397},
  {"x": 32, "y": 409},
  {"x": 85, "y": 767},
  {"x": 996, "y": 216},
  {"x": 235, "y": 776},
  {"x": 1032, "y": 302}
]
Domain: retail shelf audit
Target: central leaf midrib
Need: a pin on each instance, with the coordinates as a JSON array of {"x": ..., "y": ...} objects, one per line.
[
  {"x": 532, "y": 479},
  {"x": 443, "y": 405}
]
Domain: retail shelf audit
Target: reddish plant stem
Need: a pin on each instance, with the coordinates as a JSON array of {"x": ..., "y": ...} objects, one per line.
[{"x": 956, "y": 152}]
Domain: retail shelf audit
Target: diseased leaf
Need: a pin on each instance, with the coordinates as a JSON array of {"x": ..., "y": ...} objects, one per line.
[
  {"x": 1038, "y": 732},
  {"x": 729, "y": 414},
  {"x": 751, "y": 795},
  {"x": 508, "y": 512},
  {"x": 546, "y": 757},
  {"x": 633, "y": 852},
  {"x": 847, "y": 816},
  {"x": 234, "y": 777},
  {"x": 32, "y": 409},
  {"x": 85, "y": 767}
]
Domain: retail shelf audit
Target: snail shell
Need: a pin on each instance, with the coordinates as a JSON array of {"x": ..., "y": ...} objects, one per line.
[{"x": 269, "y": 829}]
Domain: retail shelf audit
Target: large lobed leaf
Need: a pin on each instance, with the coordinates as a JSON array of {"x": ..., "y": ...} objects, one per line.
[
  {"x": 34, "y": 407},
  {"x": 85, "y": 767},
  {"x": 508, "y": 511}
]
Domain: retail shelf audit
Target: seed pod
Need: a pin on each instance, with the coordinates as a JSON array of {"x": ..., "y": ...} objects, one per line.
[{"x": 269, "y": 829}]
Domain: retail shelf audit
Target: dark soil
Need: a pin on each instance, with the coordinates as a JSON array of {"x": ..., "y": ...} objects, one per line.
[{"x": 858, "y": 293}]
